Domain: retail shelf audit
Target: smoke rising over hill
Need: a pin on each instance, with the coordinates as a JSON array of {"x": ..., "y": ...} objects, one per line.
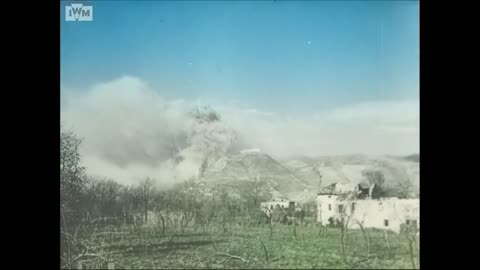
[{"x": 131, "y": 132}]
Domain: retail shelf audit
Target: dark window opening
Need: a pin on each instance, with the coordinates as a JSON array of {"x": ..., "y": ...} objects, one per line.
[
  {"x": 353, "y": 207},
  {"x": 408, "y": 222},
  {"x": 282, "y": 206},
  {"x": 329, "y": 207},
  {"x": 385, "y": 222},
  {"x": 271, "y": 207},
  {"x": 330, "y": 221},
  {"x": 329, "y": 196},
  {"x": 340, "y": 208}
]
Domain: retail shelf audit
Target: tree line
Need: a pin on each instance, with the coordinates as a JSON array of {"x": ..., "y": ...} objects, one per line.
[{"x": 86, "y": 198}]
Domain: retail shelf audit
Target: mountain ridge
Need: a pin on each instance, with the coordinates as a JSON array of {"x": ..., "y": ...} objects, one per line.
[{"x": 296, "y": 179}]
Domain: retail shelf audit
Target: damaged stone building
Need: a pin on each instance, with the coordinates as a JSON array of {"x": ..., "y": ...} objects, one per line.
[{"x": 363, "y": 205}]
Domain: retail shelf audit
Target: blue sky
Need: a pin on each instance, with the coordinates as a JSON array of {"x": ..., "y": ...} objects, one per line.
[
  {"x": 288, "y": 77},
  {"x": 285, "y": 56}
]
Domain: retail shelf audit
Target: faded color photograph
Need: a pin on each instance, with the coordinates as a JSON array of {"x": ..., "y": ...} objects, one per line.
[{"x": 239, "y": 135}]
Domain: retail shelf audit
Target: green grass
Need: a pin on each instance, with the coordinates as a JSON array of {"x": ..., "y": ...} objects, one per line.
[{"x": 150, "y": 249}]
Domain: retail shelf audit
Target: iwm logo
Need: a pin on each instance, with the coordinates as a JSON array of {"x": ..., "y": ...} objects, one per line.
[{"x": 78, "y": 12}]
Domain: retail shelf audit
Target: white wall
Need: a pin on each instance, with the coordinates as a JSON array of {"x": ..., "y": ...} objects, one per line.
[
  {"x": 268, "y": 205},
  {"x": 371, "y": 213},
  {"x": 327, "y": 207}
]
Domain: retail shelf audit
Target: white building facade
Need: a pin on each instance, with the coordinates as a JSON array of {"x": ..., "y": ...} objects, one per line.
[
  {"x": 280, "y": 203},
  {"x": 385, "y": 213}
]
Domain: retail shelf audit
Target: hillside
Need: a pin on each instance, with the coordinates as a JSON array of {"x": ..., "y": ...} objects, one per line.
[
  {"x": 250, "y": 166},
  {"x": 299, "y": 179},
  {"x": 349, "y": 169}
]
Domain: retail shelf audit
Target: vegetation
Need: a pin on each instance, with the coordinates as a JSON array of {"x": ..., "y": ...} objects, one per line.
[
  {"x": 147, "y": 248},
  {"x": 191, "y": 226}
]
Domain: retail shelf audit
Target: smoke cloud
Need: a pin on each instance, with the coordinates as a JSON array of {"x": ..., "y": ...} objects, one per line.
[{"x": 130, "y": 132}]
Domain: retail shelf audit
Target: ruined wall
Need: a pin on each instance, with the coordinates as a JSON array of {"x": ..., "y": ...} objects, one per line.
[{"x": 387, "y": 213}]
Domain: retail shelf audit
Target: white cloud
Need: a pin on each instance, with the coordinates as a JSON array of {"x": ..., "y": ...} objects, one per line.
[
  {"x": 374, "y": 128},
  {"x": 131, "y": 132}
]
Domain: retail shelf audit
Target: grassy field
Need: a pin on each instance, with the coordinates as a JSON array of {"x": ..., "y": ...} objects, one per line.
[{"x": 253, "y": 247}]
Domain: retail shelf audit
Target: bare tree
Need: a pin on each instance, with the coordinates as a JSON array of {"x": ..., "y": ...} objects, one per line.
[
  {"x": 374, "y": 177},
  {"x": 410, "y": 231},
  {"x": 405, "y": 188},
  {"x": 365, "y": 234},
  {"x": 256, "y": 189},
  {"x": 72, "y": 175},
  {"x": 344, "y": 223},
  {"x": 377, "y": 180},
  {"x": 256, "y": 192},
  {"x": 145, "y": 189},
  {"x": 322, "y": 231},
  {"x": 107, "y": 192}
]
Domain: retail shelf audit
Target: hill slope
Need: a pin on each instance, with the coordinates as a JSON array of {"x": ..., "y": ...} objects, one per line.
[
  {"x": 300, "y": 178},
  {"x": 235, "y": 168},
  {"x": 398, "y": 172}
]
